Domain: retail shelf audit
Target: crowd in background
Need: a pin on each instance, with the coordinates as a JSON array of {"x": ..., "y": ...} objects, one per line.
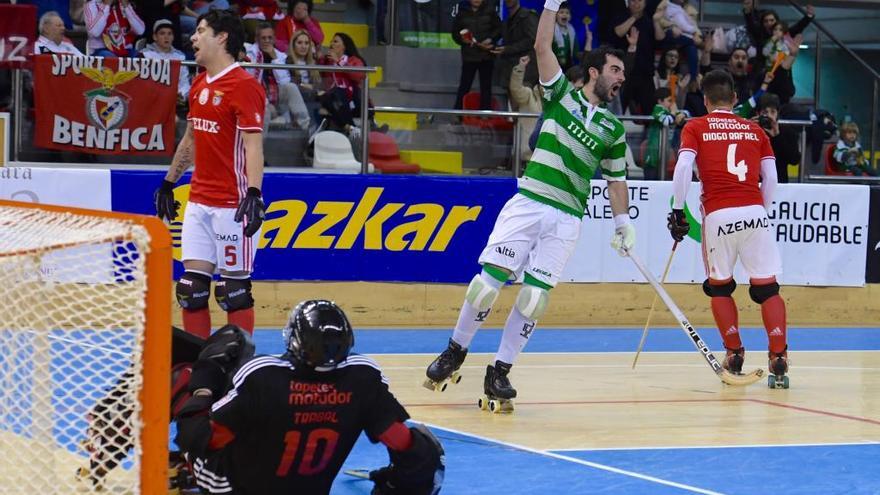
[{"x": 667, "y": 53}]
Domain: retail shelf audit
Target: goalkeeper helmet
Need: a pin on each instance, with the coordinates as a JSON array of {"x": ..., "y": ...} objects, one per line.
[{"x": 318, "y": 335}]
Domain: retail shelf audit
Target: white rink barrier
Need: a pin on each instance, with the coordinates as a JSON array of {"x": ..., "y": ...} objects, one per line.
[{"x": 821, "y": 231}]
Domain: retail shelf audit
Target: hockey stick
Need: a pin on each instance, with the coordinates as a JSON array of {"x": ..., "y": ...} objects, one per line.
[
  {"x": 725, "y": 376},
  {"x": 653, "y": 305},
  {"x": 363, "y": 474}
]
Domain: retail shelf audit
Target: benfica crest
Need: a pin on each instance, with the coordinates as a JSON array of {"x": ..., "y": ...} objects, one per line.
[{"x": 106, "y": 107}]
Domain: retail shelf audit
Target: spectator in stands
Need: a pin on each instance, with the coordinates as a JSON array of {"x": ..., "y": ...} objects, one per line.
[
  {"x": 760, "y": 25},
  {"x": 161, "y": 48},
  {"x": 299, "y": 17},
  {"x": 783, "y": 139},
  {"x": 738, "y": 66},
  {"x": 518, "y": 32},
  {"x": 565, "y": 43},
  {"x": 476, "y": 29},
  {"x": 775, "y": 47},
  {"x": 381, "y": 13},
  {"x": 665, "y": 114},
  {"x": 668, "y": 71},
  {"x": 694, "y": 103},
  {"x": 189, "y": 17},
  {"x": 51, "y": 38},
  {"x": 783, "y": 81},
  {"x": 638, "y": 90},
  {"x": 112, "y": 26},
  {"x": 848, "y": 151},
  {"x": 341, "y": 102},
  {"x": 302, "y": 52},
  {"x": 254, "y": 12},
  {"x": 283, "y": 97},
  {"x": 680, "y": 30},
  {"x": 525, "y": 99}
]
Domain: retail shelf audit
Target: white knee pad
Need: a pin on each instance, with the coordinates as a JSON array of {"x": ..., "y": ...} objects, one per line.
[
  {"x": 480, "y": 295},
  {"x": 532, "y": 301}
]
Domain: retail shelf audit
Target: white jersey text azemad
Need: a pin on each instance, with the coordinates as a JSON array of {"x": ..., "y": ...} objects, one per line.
[{"x": 576, "y": 138}]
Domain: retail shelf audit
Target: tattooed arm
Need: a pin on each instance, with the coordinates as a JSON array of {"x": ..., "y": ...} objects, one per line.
[{"x": 183, "y": 157}]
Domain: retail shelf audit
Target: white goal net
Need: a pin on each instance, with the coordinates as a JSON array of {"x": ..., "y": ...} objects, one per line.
[{"x": 72, "y": 338}]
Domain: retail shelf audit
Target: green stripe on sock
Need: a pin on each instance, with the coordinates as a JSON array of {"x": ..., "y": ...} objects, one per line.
[
  {"x": 495, "y": 272},
  {"x": 528, "y": 279}
]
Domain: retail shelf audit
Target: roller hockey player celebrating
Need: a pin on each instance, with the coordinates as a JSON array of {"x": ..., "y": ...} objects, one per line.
[
  {"x": 732, "y": 155},
  {"x": 223, "y": 138},
  {"x": 287, "y": 424},
  {"x": 537, "y": 229}
]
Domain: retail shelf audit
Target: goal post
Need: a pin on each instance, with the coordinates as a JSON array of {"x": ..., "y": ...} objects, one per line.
[{"x": 85, "y": 350}]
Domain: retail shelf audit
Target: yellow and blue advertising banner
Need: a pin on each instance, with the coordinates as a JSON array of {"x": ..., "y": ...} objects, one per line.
[{"x": 355, "y": 227}]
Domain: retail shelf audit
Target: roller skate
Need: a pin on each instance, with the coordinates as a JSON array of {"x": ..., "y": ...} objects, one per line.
[
  {"x": 734, "y": 360},
  {"x": 499, "y": 393},
  {"x": 444, "y": 369},
  {"x": 778, "y": 366}
]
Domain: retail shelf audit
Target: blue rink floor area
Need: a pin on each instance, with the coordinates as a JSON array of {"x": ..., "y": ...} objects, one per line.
[
  {"x": 472, "y": 468},
  {"x": 431, "y": 341},
  {"x": 478, "y": 465}
]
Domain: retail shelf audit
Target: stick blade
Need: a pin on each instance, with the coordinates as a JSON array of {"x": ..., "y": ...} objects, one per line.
[
  {"x": 358, "y": 473},
  {"x": 741, "y": 380}
]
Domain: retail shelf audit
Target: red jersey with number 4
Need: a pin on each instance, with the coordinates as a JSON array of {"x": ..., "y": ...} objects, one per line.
[
  {"x": 221, "y": 108},
  {"x": 729, "y": 151}
]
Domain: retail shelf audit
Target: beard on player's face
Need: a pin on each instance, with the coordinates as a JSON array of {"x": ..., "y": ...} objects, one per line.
[{"x": 604, "y": 89}]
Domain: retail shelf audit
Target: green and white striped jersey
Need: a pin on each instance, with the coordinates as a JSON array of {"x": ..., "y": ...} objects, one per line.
[{"x": 576, "y": 138}]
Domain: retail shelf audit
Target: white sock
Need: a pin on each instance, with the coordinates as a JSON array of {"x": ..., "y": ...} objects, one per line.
[
  {"x": 469, "y": 319},
  {"x": 517, "y": 331}
]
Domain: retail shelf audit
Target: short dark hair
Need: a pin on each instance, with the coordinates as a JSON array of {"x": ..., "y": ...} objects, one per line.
[
  {"x": 662, "y": 93},
  {"x": 264, "y": 25},
  {"x": 718, "y": 87},
  {"x": 226, "y": 21},
  {"x": 768, "y": 100},
  {"x": 739, "y": 49},
  {"x": 575, "y": 73},
  {"x": 565, "y": 5},
  {"x": 292, "y": 4},
  {"x": 596, "y": 59}
]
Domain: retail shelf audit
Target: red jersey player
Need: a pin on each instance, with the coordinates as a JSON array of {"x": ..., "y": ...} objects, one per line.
[
  {"x": 732, "y": 156},
  {"x": 225, "y": 211}
]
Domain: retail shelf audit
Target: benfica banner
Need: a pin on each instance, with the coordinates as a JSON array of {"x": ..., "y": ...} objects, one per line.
[
  {"x": 105, "y": 105},
  {"x": 17, "y": 34}
]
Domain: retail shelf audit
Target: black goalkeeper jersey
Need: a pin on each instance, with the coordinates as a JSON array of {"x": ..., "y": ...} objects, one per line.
[{"x": 294, "y": 428}]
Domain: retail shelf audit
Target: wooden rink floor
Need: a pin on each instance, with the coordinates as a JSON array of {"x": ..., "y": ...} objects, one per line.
[{"x": 586, "y": 423}]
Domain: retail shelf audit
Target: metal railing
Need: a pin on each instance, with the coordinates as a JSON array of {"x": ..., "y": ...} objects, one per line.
[{"x": 365, "y": 120}]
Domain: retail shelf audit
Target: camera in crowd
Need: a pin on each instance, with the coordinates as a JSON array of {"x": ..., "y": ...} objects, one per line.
[{"x": 765, "y": 122}]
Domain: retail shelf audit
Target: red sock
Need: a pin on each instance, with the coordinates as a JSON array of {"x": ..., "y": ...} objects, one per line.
[
  {"x": 773, "y": 313},
  {"x": 197, "y": 322},
  {"x": 727, "y": 319},
  {"x": 243, "y": 318}
]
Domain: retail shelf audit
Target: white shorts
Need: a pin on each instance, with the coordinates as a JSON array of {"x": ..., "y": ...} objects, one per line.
[
  {"x": 211, "y": 234},
  {"x": 532, "y": 236},
  {"x": 743, "y": 232}
]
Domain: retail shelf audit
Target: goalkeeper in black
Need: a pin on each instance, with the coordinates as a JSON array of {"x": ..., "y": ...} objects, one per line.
[{"x": 286, "y": 424}]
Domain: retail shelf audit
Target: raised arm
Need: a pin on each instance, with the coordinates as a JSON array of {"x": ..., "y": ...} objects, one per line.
[{"x": 548, "y": 66}]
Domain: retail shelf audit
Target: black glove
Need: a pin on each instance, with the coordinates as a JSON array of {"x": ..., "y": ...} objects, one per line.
[
  {"x": 251, "y": 207},
  {"x": 677, "y": 224},
  {"x": 417, "y": 471},
  {"x": 163, "y": 199}
]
